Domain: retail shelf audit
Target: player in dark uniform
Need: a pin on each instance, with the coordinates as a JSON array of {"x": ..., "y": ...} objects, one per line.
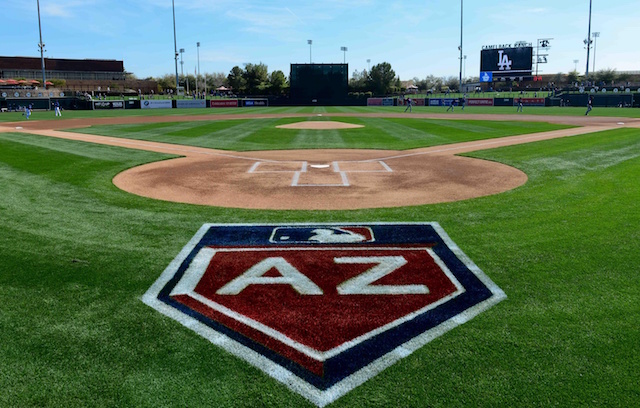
[
  {"x": 409, "y": 103},
  {"x": 452, "y": 105},
  {"x": 589, "y": 105}
]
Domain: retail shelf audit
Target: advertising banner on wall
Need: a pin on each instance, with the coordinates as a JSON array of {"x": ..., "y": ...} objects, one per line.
[
  {"x": 156, "y": 104},
  {"x": 108, "y": 104},
  {"x": 529, "y": 101},
  {"x": 191, "y": 103},
  {"x": 379, "y": 101},
  {"x": 442, "y": 101},
  {"x": 503, "y": 102},
  {"x": 255, "y": 102},
  {"x": 224, "y": 103},
  {"x": 480, "y": 102}
]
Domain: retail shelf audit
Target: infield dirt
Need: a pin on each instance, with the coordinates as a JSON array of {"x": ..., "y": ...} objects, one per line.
[{"x": 318, "y": 179}]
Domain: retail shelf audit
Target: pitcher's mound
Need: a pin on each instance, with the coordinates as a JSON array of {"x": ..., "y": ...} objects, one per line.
[{"x": 319, "y": 125}]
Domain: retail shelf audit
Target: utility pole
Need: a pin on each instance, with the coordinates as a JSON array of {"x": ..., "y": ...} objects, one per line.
[
  {"x": 198, "y": 74},
  {"x": 460, "y": 47},
  {"x": 41, "y": 46},
  {"x": 175, "y": 42},
  {"x": 588, "y": 42},
  {"x": 344, "y": 50},
  {"x": 595, "y": 42}
]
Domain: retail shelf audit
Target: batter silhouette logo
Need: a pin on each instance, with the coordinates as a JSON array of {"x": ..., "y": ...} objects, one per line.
[{"x": 322, "y": 307}]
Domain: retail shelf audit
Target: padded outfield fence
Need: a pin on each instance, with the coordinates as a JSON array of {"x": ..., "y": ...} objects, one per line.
[{"x": 79, "y": 103}]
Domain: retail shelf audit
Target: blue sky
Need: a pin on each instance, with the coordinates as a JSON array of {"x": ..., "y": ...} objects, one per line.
[{"x": 417, "y": 37}]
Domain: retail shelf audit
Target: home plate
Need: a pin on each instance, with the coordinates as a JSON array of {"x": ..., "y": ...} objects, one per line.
[
  {"x": 19, "y": 127},
  {"x": 620, "y": 123},
  {"x": 319, "y": 166}
]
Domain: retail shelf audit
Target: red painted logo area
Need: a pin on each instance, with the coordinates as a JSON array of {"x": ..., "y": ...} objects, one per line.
[
  {"x": 307, "y": 304},
  {"x": 322, "y": 307}
]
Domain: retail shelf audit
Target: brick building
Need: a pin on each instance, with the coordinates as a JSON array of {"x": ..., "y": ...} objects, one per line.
[{"x": 75, "y": 74}]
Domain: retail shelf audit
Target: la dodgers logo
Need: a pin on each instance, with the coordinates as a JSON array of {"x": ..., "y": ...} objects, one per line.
[
  {"x": 322, "y": 307},
  {"x": 504, "y": 63}
]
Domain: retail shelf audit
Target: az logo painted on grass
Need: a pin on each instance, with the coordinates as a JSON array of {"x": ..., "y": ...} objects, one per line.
[{"x": 322, "y": 307}]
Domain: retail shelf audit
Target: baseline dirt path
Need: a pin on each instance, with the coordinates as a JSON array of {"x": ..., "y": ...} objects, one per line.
[{"x": 318, "y": 179}]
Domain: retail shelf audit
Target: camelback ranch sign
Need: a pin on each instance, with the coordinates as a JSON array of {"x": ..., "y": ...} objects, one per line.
[{"x": 322, "y": 307}]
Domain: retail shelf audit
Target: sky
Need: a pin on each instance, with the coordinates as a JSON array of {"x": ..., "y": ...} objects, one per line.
[{"x": 417, "y": 37}]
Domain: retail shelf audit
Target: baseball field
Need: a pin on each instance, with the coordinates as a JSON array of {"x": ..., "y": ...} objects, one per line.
[{"x": 95, "y": 206}]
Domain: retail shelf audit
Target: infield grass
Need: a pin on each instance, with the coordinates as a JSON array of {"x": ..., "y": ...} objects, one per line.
[
  {"x": 376, "y": 133},
  {"x": 76, "y": 255}
]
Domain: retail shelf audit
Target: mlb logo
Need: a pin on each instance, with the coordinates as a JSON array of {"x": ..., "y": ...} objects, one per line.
[
  {"x": 322, "y": 307},
  {"x": 321, "y": 234}
]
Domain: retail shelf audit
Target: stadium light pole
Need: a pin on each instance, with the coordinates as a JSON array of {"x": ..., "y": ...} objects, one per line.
[
  {"x": 41, "y": 46},
  {"x": 181, "y": 63},
  {"x": 460, "y": 47},
  {"x": 464, "y": 70},
  {"x": 175, "y": 42},
  {"x": 595, "y": 42},
  {"x": 198, "y": 74},
  {"x": 575, "y": 62},
  {"x": 587, "y": 42},
  {"x": 369, "y": 64},
  {"x": 309, "y": 42},
  {"x": 344, "y": 50}
]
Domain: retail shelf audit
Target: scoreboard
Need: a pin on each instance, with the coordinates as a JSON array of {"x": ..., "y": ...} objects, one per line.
[
  {"x": 504, "y": 63},
  {"x": 326, "y": 82}
]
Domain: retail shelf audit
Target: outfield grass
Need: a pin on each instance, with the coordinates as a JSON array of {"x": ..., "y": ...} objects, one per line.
[
  {"x": 483, "y": 110},
  {"x": 377, "y": 133},
  {"x": 77, "y": 254}
]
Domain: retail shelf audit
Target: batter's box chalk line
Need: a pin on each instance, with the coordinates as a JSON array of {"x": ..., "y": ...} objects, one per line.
[{"x": 300, "y": 168}]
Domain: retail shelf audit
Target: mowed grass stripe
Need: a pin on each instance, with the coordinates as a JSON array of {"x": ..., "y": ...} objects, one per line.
[
  {"x": 310, "y": 139},
  {"x": 378, "y": 133},
  {"x": 538, "y": 111},
  {"x": 408, "y": 130},
  {"x": 565, "y": 248}
]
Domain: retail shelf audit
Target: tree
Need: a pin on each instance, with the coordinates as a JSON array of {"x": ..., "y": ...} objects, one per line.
[
  {"x": 452, "y": 82},
  {"x": 256, "y": 78},
  {"x": 558, "y": 78},
  {"x": 359, "y": 81},
  {"x": 277, "y": 82},
  {"x": 573, "y": 77},
  {"x": 166, "y": 81},
  {"x": 382, "y": 78},
  {"x": 236, "y": 79},
  {"x": 606, "y": 76},
  {"x": 216, "y": 80}
]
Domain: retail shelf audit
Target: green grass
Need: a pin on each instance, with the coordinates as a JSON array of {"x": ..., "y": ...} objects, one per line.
[
  {"x": 376, "y": 133},
  {"x": 76, "y": 255},
  {"x": 484, "y": 110}
]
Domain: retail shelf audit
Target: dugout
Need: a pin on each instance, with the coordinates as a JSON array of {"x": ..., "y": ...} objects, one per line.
[{"x": 319, "y": 84}]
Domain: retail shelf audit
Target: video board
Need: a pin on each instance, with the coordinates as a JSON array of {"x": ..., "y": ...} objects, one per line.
[{"x": 505, "y": 62}]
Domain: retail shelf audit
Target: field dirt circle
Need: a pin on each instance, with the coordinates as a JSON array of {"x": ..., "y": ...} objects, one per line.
[
  {"x": 319, "y": 125},
  {"x": 319, "y": 180}
]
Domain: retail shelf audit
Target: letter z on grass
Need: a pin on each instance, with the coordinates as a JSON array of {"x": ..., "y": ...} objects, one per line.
[{"x": 322, "y": 307}]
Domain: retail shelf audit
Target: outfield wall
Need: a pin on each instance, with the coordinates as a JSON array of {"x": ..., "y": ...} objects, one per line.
[{"x": 609, "y": 99}]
